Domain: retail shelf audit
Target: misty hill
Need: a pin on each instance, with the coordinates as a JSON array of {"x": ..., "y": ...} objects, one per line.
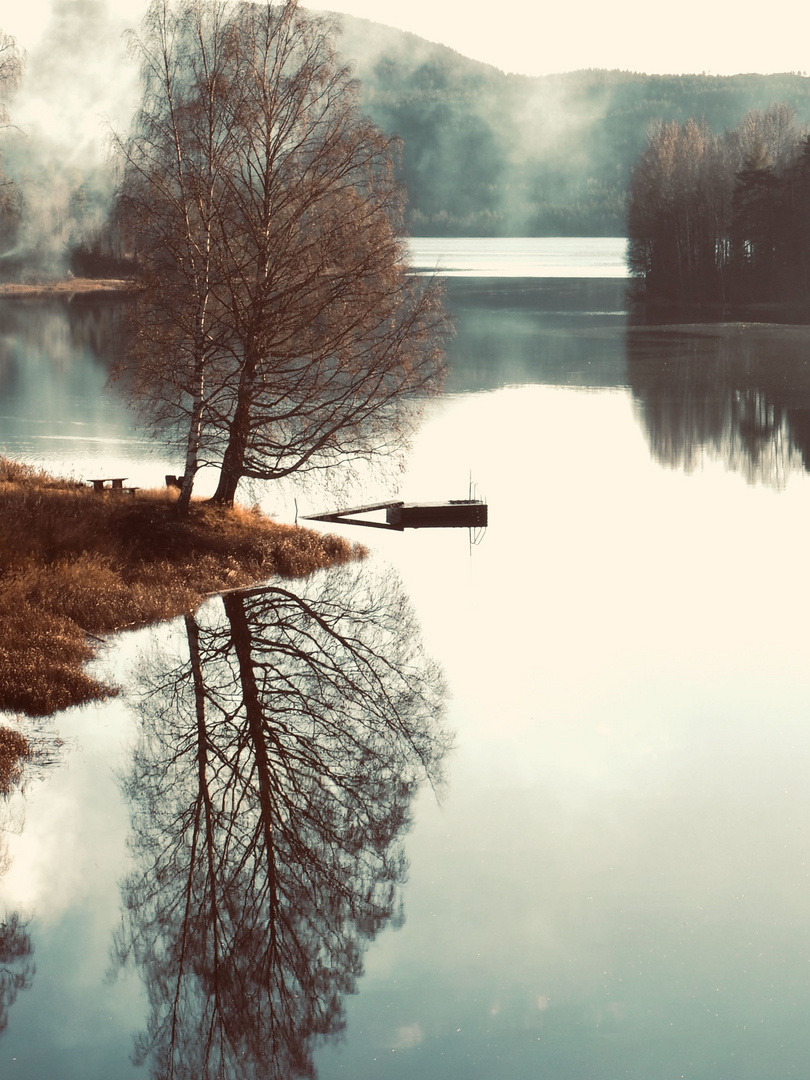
[{"x": 488, "y": 153}]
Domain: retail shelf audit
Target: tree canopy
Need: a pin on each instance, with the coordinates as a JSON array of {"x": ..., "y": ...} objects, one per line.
[{"x": 279, "y": 327}]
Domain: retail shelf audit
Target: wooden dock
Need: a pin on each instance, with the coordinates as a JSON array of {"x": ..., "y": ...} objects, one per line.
[
  {"x": 453, "y": 514},
  {"x": 457, "y": 513}
]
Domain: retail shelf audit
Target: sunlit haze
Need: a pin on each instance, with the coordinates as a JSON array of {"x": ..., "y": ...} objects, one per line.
[{"x": 515, "y": 35}]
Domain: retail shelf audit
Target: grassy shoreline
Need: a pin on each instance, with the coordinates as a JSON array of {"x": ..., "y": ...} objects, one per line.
[{"x": 75, "y": 566}]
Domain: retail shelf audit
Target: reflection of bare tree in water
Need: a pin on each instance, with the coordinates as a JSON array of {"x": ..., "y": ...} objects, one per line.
[
  {"x": 16, "y": 963},
  {"x": 738, "y": 394},
  {"x": 271, "y": 789},
  {"x": 18, "y": 756}
]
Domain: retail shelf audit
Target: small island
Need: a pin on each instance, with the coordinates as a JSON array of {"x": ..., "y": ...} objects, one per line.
[{"x": 76, "y": 565}]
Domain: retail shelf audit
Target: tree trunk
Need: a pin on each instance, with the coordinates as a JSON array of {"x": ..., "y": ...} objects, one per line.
[
  {"x": 233, "y": 460},
  {"x": 226, "y": 488},
  {"x": 195, "y": 423},
  {"x": 192, "y": 444}
]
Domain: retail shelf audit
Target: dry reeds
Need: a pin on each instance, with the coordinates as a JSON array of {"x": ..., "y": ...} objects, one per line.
[{"x": 75, "y": 563}]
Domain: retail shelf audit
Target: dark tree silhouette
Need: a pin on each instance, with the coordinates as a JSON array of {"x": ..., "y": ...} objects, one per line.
[
  {"x": 756, "y": 212},
  {"x": 795, "y": 223},
  {"x": 716, "y": 217},
  {"x": 271, "y": 791}
]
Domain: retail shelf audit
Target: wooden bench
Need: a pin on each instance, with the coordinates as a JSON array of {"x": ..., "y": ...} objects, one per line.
[{"x": 116, "y": 483}]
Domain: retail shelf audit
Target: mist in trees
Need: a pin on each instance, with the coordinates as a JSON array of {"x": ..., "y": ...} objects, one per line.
[
  {"x": 69, "y": 86},
  {"x": 11, "y": 69},
  {"x": 278, "y": 328},
  {"x": 723, "y": 217},
  {"x": 493, "y": 154},
  {"x": 271, "y": 790},
  {"x": 483, "y": 152}
]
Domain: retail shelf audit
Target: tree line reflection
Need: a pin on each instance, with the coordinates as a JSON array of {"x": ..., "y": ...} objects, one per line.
[
  {"x": 738, "y": 393},
  {"x": 271, "y": 789}
]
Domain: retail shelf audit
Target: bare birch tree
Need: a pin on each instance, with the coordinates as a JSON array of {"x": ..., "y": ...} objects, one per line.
[
  {"x": 312, "y": 344},
  {"x": 171, "y": 197}
]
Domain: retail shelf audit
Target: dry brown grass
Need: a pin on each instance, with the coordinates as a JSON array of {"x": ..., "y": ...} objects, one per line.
[{"x": 74, "y": 563}]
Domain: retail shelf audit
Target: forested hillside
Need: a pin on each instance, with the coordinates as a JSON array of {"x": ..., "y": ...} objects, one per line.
[
  {"x": 487, "y": 153},
  {"x": 483, "y": 152}
]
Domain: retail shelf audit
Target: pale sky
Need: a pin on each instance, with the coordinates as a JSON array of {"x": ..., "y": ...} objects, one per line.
[
  {"x": 722, "y": 37},
  {"x": 719, "y": 36}
]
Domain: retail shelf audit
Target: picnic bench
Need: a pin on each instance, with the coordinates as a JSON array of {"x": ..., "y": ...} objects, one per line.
[{"x": 116, "y": 484}]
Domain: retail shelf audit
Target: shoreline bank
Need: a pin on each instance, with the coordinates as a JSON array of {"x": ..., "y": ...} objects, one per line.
[{"x": 76, "y": 566}]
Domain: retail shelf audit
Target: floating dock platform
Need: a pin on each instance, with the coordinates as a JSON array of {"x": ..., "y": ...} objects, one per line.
[
  {"x": 456, "y": 513},
  {"x": 467, "y": 513}
]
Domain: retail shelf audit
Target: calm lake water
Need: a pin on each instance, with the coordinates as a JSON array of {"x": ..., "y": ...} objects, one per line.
[
  {"x": 518, "y": 256},
  {"x": 607, "y": 873}
]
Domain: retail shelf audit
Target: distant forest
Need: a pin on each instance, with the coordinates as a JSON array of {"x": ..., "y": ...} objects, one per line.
[
  {"x": 723, "y": 217},
  {"x": 490, "y": 154}
]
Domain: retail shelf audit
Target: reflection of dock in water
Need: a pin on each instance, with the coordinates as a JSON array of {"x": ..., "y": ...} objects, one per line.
[{"x": 455, "y": 513}]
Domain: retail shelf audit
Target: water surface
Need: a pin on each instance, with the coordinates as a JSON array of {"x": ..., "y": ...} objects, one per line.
[
  {"x": 611, "y": 881},
  {"x": 515, "y": 257}
]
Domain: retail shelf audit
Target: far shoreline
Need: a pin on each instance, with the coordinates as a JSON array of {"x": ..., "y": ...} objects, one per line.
[{"x": 66, "y": 287}]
